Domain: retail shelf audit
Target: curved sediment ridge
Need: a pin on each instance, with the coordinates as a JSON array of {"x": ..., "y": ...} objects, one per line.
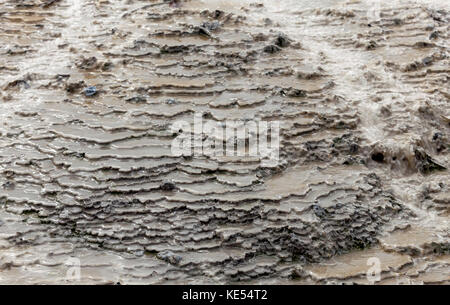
[{"x": 361, "y": 94}]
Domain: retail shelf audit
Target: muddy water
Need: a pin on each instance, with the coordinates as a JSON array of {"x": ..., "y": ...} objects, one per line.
[{"x": 362, "y": 96}]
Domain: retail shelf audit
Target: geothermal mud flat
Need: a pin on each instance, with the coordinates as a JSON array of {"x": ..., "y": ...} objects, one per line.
[{"x": 362, "y": 94}]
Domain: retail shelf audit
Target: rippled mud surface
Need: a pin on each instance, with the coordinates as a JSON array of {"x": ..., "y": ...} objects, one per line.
[{"x": 363, "y": 100}]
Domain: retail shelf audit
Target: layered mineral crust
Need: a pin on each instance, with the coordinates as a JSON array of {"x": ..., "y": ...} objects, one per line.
[{"x": 91, "y": 89}]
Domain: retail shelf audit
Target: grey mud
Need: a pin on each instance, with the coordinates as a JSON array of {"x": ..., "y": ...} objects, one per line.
[{"x": 362, "y": 96}]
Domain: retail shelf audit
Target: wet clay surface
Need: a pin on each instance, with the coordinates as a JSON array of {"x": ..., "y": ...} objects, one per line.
[{"x": 89, "y": 90}]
